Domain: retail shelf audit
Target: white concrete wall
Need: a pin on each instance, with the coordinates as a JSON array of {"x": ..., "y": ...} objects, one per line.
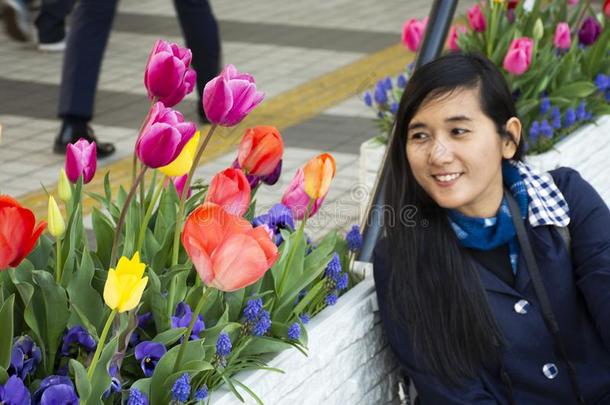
[{"x": 349, "y": 362}]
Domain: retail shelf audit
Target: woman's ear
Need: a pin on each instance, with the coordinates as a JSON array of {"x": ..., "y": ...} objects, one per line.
[{"x": 509, "y": 144}]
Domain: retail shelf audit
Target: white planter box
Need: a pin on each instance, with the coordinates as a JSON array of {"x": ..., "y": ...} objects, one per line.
[
  {"x": 371, "y": 155},
  {"x": 349, "y": 362},
  {"x": 586, "y": 150}
]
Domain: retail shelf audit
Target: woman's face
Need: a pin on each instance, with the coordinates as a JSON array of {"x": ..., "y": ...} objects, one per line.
[{"x": 455, "y": 153}]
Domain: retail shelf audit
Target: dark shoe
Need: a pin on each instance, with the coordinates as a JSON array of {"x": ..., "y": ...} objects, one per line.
[
  {"x": 71, "y": 133},
  {"x": 17, "y": 20}
]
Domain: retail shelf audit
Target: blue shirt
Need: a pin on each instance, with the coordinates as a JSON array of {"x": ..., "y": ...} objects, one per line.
[{"x": 578, "y": 285}]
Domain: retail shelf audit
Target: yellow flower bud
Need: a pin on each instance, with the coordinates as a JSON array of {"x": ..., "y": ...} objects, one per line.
[
  {"x": 63, "y": 187},
  {"x": 125, "y": 284},
  {"x": 56, "y": 225},
  {"x": 182, "y": 164},
  {"x": 538, "y": 30}
]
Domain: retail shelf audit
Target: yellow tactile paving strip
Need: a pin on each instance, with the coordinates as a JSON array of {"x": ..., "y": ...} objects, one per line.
[{"x": 285, "y": 110}]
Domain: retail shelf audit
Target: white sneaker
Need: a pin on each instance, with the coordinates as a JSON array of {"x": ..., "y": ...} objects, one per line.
[
  {"x": 17, "y": 19},
  {"x": 52, "y": 47}
]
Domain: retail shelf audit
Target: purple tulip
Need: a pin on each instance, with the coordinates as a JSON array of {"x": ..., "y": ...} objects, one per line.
[
  {"x": 168, "y": 76},
  {"x": 274, "y": 176},
  {"x": 163, "y": 136},
  {"x": 55, "y": 390},
  {"x": 81, "y": 160},
  {"x": 230, "y": 96},
  {"x": 182, "y": 318},
  {"x": 589, "y": 31},
  {"x": 253, "y": 180},
  {"x": 25, "y": 357},
  {"x": 77, "y": 338},
  {"x": 148, "y": 354},
  {"x": 277, "y": 218},
  {"x": 14, "y": 392}
]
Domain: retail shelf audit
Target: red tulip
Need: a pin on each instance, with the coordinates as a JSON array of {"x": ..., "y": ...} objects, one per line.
[
  {"x": 18, "y": 232},
  {"x": 228, "y": 253},
  {"x": 230, "y": 189},
  {"x": 260, "y": 150},
  {"x": 607, "y": 8}
]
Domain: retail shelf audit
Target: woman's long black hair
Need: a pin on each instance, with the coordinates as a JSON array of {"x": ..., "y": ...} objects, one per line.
[{"x": 435, "y": 289}]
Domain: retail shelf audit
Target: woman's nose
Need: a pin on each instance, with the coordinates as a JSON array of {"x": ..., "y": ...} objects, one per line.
[{"x": 440, "y": 153}]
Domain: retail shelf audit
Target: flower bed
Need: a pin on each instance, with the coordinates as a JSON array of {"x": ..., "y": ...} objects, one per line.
[{"x": 188, "y": 287}]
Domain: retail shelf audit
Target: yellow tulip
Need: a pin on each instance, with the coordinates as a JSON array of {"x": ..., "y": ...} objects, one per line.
[
  {"x": 57, "y": 226},
  {"x": 318, "y": 173},
  {"x": 125, "y": 284},
  {"x": 63, "y": 187},
  {"x": 182, "y": 164}
]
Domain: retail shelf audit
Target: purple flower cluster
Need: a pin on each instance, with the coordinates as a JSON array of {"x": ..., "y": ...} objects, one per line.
[
  {"x": 148, "y": 354},
  {"x": 137, "y": 397},
  {"x": 294, "y": 331},
  {"x": 354, "y": 238},
  {"x": 182, "y": 318},
  {"x": 257, "y": 319},
  {"x": 277, "y": 218},
  {"x": 181, "y": 390},
  {"x": 25, "y": 357},
  {"x": 223, "y": 345},
  {"x": 336, "y": 280}
]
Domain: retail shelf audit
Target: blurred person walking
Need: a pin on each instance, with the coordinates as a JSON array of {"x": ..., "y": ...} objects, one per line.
[{"x": 86, "y": 42}]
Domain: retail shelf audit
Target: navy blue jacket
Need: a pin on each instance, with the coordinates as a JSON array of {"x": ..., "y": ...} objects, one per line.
[{"x": 579, "y": 291}]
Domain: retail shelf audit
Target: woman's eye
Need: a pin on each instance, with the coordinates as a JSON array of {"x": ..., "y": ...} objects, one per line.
[
  {"x": 458, "y": 131},
  {"x": 419, "y": 136}
]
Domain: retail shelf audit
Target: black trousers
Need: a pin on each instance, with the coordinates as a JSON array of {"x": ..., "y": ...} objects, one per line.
[
  {"x": 51, "y": 21},
  {"x": 88, "y": 36}
]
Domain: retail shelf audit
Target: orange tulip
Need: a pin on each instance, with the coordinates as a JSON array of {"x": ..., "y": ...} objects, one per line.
[
  {"x": 319, "y": 172},
  {"x": 260, "y": 150},
  {"x": 231, "y": 190},
  {"x": 228, "y": 253},
  {"x": 18, "y": 232}
]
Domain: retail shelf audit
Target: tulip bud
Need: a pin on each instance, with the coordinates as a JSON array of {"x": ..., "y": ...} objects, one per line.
[
  {"x": 81, "y": 160},
  {"x": 519, "y": 56},
  {"x": 318, "y": 173},
  {"x": 56, "y": 223},
  {"x": 538, "y": 30},
  {"x": 63, "y": 186},
  {"x": 125, "y": 284},
  {"x": 260, "y": 150}
]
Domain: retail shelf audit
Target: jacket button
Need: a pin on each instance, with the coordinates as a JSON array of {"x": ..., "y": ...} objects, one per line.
[
  {"x": 550, "y": 370},
  {"x": 521, "y": 307}
]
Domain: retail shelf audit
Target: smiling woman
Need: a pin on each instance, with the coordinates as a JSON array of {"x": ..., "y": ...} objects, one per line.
[{"x": 463, "y": 292}]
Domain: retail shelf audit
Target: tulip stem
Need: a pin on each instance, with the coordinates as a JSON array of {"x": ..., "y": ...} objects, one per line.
[
  {"x": 100, "y": 344},
  {"x": 58, "y": 266},
  {"x": 119, "y": 226},
  {"x": 293, "y": 248},
  {"x": 148, "y": 214},
  {"x": 187, "y": 185},
  {"x": 187, "y": 333}
]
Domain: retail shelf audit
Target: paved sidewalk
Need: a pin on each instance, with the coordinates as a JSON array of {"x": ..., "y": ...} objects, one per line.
[{"x": 312, "y": 59}]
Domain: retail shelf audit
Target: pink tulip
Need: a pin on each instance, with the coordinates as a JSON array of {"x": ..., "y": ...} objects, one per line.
[
  {"x": 168, "y": 76},
  {"x": 563, "y": 39},
  {"x": 230, "y": 96},
  {"x": 476, "y": 19},
  {"x": 179, "y": 183},
  {"x": 519, "y": 56},
  {"x": 297, "y": 199},
  {"x": 81, "y": 160},
  {"x": 230, "y": 189},
  {"x": 163, "y": 136},
  {"x": 572, "y": 2},
  {"x": 453, "y": 36},
  {"x": 228, "y": 253},
  {"x": 413, "y": 32}
]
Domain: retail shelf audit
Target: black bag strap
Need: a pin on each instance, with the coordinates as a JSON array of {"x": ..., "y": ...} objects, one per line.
[{"x": 545, "y": 304}]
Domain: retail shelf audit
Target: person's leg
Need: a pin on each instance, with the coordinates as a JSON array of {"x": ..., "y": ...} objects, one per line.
[
  {"x": 202, "y": 37},
  {"x": 86, "y": 42},
  {"x": 16, "y": 17},
  {"x": 51, "y": 21}
]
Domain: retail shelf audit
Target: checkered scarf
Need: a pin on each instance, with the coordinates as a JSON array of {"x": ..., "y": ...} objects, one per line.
[{"x": 539, "y": 199}]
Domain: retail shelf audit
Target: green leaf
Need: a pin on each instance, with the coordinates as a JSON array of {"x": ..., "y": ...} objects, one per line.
[
  {"x": 52, "y": 313},
  {"x": 3, "y": 375},
  {"x": 83, "y": 386},
  {"x": 156, "y": 302},
  {"x": 101, "y": 379},
  {"x": 104, "y": 234},
  {"x": 264, "y": 344},
  {"x": 575, "y": 90},
  {"x": 6, "y": 337},
  {"x": 169, "y": 337}
]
